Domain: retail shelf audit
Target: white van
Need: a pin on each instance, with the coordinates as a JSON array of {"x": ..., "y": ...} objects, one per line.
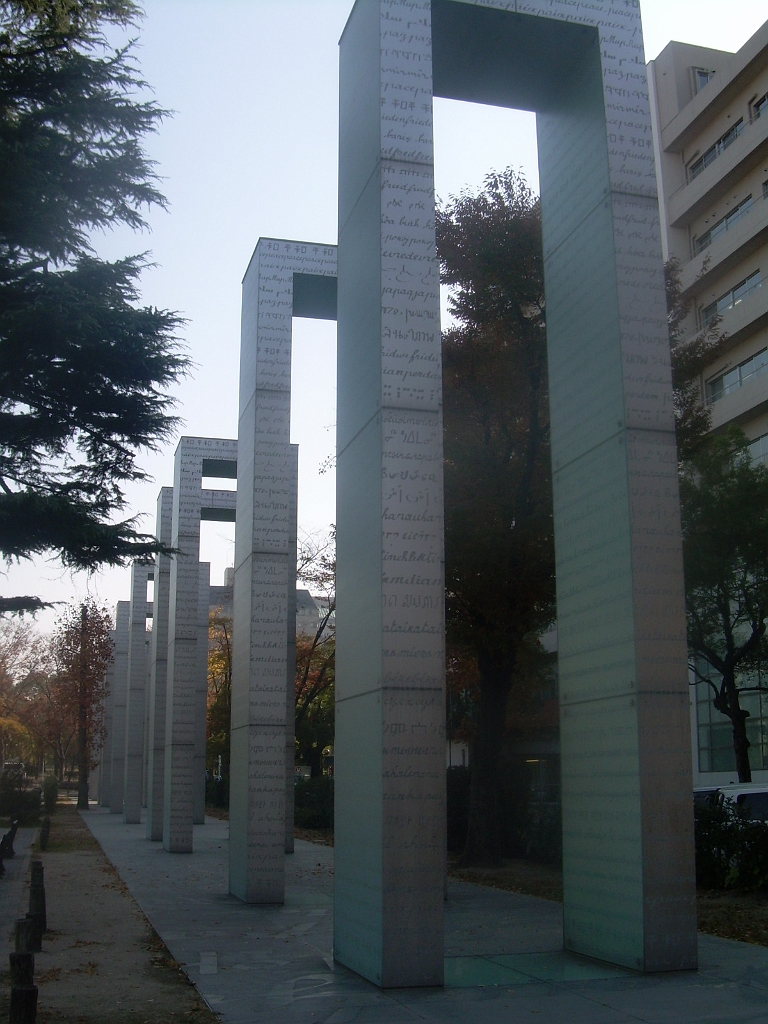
[{"x": 752, "y": 797}]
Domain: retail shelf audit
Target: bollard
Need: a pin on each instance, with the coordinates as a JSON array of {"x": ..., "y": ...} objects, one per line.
[
  {"x": 37, "y": 895},
  {"x": 36, "y": 930},
  {"x": 45, "y": 832},
  {"x": 23, "y": 1004},
  {"x": 22, "y": 969},
  {"x": 25, "y": 935}
]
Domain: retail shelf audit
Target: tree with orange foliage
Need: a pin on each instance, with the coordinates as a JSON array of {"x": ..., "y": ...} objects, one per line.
[
  {"x": 82, "y": 648},
  {"x": 22, "y": 652},
  {"x": 48, "y": 717},
  {"x": 218, "y": 719},
  {"x": 316, "y": 653}
]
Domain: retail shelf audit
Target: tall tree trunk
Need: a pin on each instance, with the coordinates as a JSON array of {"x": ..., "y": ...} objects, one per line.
[
  {"x": 483, "y": 845},
  {"x": 738, "y": 719},
  {"x": 82, "y": 720},
  {"x": 741, "y": 745}
]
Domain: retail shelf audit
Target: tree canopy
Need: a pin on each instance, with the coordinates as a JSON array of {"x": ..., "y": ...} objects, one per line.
[
  {"x": 724, "y": 499},
  {"x": 83, "y": 650},
  {"x": 315, "y": 676},
  {"x": 22, "y": 657},
  {"x": 690, "y": 357},
  {"x": 219, "y": 698},
  {"x": 84, "y": 369},
  {"x": 52, "y": 688},
  {"x": 499, "y": 545}
]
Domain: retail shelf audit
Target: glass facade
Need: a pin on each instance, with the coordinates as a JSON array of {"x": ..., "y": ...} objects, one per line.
[
  {"x": 758, "y": 450},
  {"x": 715, "y": 732}
]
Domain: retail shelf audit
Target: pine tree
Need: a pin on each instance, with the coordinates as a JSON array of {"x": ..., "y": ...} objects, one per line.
[{"x": 84, "y": 370}]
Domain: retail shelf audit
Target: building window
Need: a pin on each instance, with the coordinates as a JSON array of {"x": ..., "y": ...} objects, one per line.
[
  {"x": 760, "y": 107},
  {"x": 758, "y": 450},
  {"x": 731, "y": 298},
  {"x": 737, "y": 377},
  {"x": 714, "y": 151},
  {"x": 700, "y": 78},
  {"x": 726, "y": 222}
]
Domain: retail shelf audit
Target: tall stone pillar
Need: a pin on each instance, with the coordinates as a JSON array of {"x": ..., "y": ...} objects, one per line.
[
  {"x": 159, "y": 670},
  {"x": 119, "y": 698},
  {"x": 147, "y": 683},
  {"x": 290, "y": 689},
  {"x": 284, "y": 279},
  {"x": 628, "y": 868},
  {"x": 105, "y": 758},
  {"x": 195, "y": 457},
  {"x": 389, "y": 749},
  {"x": 627, "y": 817},
  {"x": 136, "y": 694}
]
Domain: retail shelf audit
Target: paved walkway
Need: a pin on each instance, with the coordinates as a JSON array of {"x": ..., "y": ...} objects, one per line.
[{"x": 504, "y": 963}]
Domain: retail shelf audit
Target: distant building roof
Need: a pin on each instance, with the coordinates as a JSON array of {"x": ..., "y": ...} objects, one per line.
[{"x": 305, "y": 603}]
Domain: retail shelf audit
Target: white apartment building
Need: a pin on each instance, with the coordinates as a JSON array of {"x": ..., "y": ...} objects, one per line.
[{"x": 710, "y": 122}]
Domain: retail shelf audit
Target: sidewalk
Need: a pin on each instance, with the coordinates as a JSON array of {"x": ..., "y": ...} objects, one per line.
[{"x": 504, "y": 961}]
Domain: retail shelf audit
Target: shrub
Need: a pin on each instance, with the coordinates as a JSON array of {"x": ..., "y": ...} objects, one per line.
[
  {"x": 217, "y": 791},
  {"x": 23, "y": 804},
  {"x": 541, "y": 833},
  {"x": 313, "y": 807},
  {"x": 50, "y": 793},
  {"x": 731, "y": 849}
]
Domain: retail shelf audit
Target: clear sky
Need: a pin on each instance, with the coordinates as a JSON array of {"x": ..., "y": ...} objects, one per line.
[{"x": 252, "y": 151}]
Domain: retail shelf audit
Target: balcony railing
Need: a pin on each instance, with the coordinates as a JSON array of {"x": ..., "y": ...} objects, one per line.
[
  {"x": 732, "y": 298},
  {"x": 703, "y": 325},
  {"x": 721, "y": 147},
  {"x": 743, "y": 210},
  {"x": 695, "y": 168},
  {"x": 736, "y": 378}
]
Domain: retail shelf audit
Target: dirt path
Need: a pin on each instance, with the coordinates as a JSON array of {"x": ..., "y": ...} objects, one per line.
[{"x": 102, "y": 963}]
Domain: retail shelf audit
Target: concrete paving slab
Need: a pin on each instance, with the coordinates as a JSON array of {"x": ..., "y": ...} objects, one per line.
[
  {"x": 559, "y": 966},
  {"x": 477, "y": 971},
  {"x": 504, "y": 957}
]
